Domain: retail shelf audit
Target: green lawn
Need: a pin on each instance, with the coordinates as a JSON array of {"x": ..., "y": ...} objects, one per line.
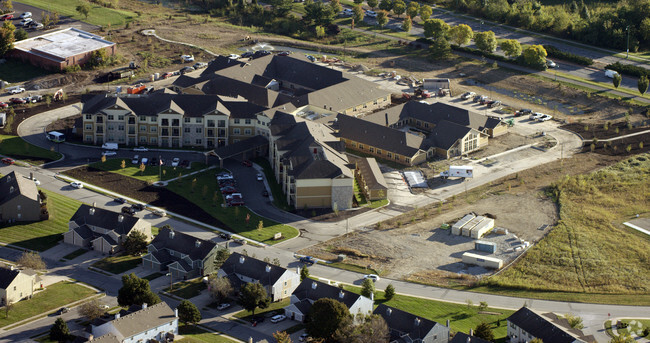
[
  {"x": 16, "y": 147},
  {"x": 45, "y": 234},
  {"x": 205, "y": 194},
  {"x": 361, "y": 200},
  {"x": 350, "y": 267},
  {"x": 98, "y": 15},
  {"x": 195, "y": 334},
  {"x": 150, "y": 173},
  {"x": 54, "y": 297},
  {"x": 188, "y": 289},
  {"x": 279, "y": 199},
  {"x": 245, "y": 315},
  {"x": 15, "y": 71},
  {"x": 153, "y": 276},
  {"x": 461, "y": 316},
  {"x": 75, "y": 254},
  {"x": 118, "y": 264}
]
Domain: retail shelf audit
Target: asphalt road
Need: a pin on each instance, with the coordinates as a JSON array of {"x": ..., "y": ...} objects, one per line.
[{"x": 37, "y": 15}]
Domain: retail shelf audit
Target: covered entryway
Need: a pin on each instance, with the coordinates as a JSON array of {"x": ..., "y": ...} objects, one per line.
[{"x": 246, "y": 149}]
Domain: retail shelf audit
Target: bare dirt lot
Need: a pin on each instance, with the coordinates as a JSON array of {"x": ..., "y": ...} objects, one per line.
[{"x": 412, "y": 246}]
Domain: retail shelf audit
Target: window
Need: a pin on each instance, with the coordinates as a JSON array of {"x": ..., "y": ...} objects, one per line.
[
  {"x": 378, "y": 151},
  {"x": 19, "y": 215},
  {"x": 236, "y": 131},
  {"x": 199, "y": 141},
  {"x": 221, "y": 123},
  {"x": 372, "y": 149},
  {"x": 187, "y": 120},
  {"x": 143, "y": 128},
  {"x": 111, "y": 117},
  {"x": 199, "y": 120},
  {"x": 89, "y": 126},
  {"x": 390, "y": 155},
  {"x": 426, "y": 125},
  {"x": 143, "y": 118},
  {"x": 14, "y": 288},
  {"x": 153, "y": 129},
  {"x": 236, "y": 120},
  {"x": 89, "y": 116},
  {"x": 247, "y": 131},
  {"x": 419, "y": 123},
  {"x": 152, "y": 119},
  {"x": 408, "y": 160},
  {"x": 165, "y": 122},
  {"x": 153, "y": 140},
  {"x": 187, "y": 130},
  {"x": 396, "y": 157},
  {"x": 176, "y": 122},
  {"x": 121, "y": 118},
  {"x": 111, "y": 127},
  {"x": 360, "y": 146},
  {"x": 186, "y": 141},
  {"x": 120, "y": 127},
  {"x": 199, "y": 130},
  {"x": 143, "y": 139},
  {"x": 89, "y": 138},
  {"x": 210, "y": 123},
  {"x": 248, "y": 121},
  {"x": 18, "y": 207}
]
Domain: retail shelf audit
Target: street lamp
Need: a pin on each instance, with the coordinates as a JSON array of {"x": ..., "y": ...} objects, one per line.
[{"x": 627, "y": 50}]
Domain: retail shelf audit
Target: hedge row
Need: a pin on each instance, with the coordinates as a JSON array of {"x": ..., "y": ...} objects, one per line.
[
  {"x": 567, "y": 56},
  {"x": 628, "y": 69}
]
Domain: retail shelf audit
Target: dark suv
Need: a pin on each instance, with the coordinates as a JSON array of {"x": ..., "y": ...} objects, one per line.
[{"x": 128, "y": 210}]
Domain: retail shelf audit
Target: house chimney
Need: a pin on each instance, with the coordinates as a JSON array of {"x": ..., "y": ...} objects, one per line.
[
  {"x": 268, "y": 269},
  {"x": 447, "y": 322},
  {"x": 176, "y": 312},
  {"x": 341, "y": 294},
  {"x": 469, "y": 339},
  {"x": 471, "y": 332},
  {"x": 197, "y": 243},
  {"x": 416, "y": 322},
  {"x": 389, "y": 311},
  {"x": 11, "y": 267},
  {"x": 11, "y": 189},
  {"x": 171, "y": 234},
  {"x": 120, "y": 218},
  {"x": 144, "y": 305},
  {"x": 94, "y": 204},
  {"x": 8, "y": 178},
  {"x": 372, "y": 297},
  {"x": 242, "y": 259},
  {"x": 91, "y": 211},
  {"x": 314, "y": 285},
  {"x": 117, "y": 315}
]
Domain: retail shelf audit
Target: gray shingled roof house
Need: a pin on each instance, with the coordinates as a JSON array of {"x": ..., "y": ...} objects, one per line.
[
  {"x": 460, "y": 337},
  {"x": 311, "y": 290},
  {"x": 406, "y": 327},
  {"x": 279, "y": 282},
  {"x": 19, "y": 199},
  {"x": 526, "y": 324},
  {"x": 156, "y": 322},
  {"x": 102, "y": 230},
  {"x": 16, "y": 285},
  {"x": 183, "y": 255}
]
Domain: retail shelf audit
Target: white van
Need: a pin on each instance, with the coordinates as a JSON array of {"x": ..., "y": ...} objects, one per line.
[
  {"x": 109, "y": 146},
  {"x": 610, "y": 73}
]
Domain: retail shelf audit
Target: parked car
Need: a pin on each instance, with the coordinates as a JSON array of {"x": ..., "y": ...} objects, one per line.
[
  {"x": 109, "y": 153},
  {"x": 199, "y": 65},
  {"x": 26, "y": 15},
  {"x": 225, "y": 236},
  {"x": 17, "y": 101},
  {"x": 284, "y": 53},
  {"x": 373, "y": 277},
  {"x": 25, "y": 21},
  {"x": 77, "y": 185},
  {"x": 467, "y": 95},
  {"x": 135, "y": 159},
  {"x": 186, "y": 70},
  {"x": 236, "y": 201},
  {"x": 278, "y": 318},
  {"x": 536, "y": 115},
  {"x": 523, "y": 112},
  {"x": 223, "y": 306},
  {"x": 265, "y": 193},
  {"x": 104, "y": 307},
  {"x": 257, "y": 319},
  {"x": 494, "y": 103},
  {"x": 228, "y": 190},
  {"x": 348, "y": 12},
  {"x": 144, "y": 161},
  {"x": 484, "y": 101},
  {"x": 8, "y": 161},
  {"x": 120, "y": 200},
  {"x": 545, "y": 117},
  {"x": 63, "y": 310},
  {"x": 38, "y": 183},
  {"x": 551, "y": 64},
  {"x": 187, "y": 58},
  {"x": 478, "y": 98},
  {"x": 247, "y": 54},
  {"x": 261, "y": 53},
  {"x": 240, "y": 241},
  {"x": 140, "y": 149},
  {"x": 311, "y": 58},
  {"x": 38, "y": 26},
  {"x": 128, "y": 210},
  {"x": 176, "y": 161},
  {"x": 260, "y": 177},
  {"x": 303, "y": 337},
  {"x": 15, "y": 90},
  {"x": 3, "y": 104},
  {"x": 160, "y": 213},
  {"x": 7, "y": 17},
  {"x": 371, "y": 14},
  {"x": 155, "y": 161},
  {"x": 234, "y": 56},
  {"x": 247, "y": 163},
  {"x": 167, "y": 74},
  {"x": 138, "y": 207},
  {"x": 185, "y": 164},
  {"x": 307, "y": 260},
  {"x": 610, "y": 73}
]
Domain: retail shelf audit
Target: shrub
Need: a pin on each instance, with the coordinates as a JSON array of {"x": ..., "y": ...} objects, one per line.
[
  {"x": 628, "y": 69},
  {"x": 567, "y": 56}
]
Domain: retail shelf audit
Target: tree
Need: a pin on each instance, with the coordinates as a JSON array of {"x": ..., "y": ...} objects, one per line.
[
  {"x": 574, "y": 321},
  {"x": 135, "y": 243},
  {"x": 7, "y": 6},
  {"x": 616, "y": 80},
  {"x": 461, "y": 34},
  {"x": 386, "y": 5},
  {"x": 8, "y": 307},
  {"x": 221, "y": 257},
  {"x": 484, "y": 331},
  {"x": 372, "y": 3},
  {"x": 367, "y": 288},
  {"x": 425, "y": 12},
  {"x": 511, "y": 47},
  {"x": 54, "y": 17},
  {"x": 407, "y": 23},
  {"x": 389, "y": 292},
  {"x": 319, "y": 13},
  {"x": 281, "y": 7},
  {"x": 358, "y": 2},
  {"x": 622, "y": 338},
  {"x": 482, "y": 306},
  {"x": 282, "y": 337},
  {"x": 253, "y": 295},
  {"x": 440, "y": 48},
  {"x": 534, "y": 55},
  {"x": 135, "y": 291},
  {"x": 20, "y": 34},
  {"x": 358, "y": 13},
  {"x": 123, "y": 164},
  {"x": 336, "y": 7},
  {"x": 91, "y": 310},
  {"x": 369, "y": 329},
  {"x": 84, "y": 9},
  {"x": 413, "y": 9},
  {"x": 486, "y": 41},
  {"x": 399, "y": 7},
  {"x": 382, "y": 19},
  {"x": 304, "y": 273},
  {"x": 59, "y": 331},
  {"x": 31, "y": 260},
  {"x": 45, "y": 19},
  {"x": 325, "y": 317},
  {"x": 188, "y": 313},
  {"x": 643, "y": 84},
  {"x": 435, "y": 28},
  {"x": 7, "y": 38},
  {"x": 220, "y": 288}
]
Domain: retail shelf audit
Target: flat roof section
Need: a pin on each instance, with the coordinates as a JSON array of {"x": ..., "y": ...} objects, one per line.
[{"x": 63, "y": 43}]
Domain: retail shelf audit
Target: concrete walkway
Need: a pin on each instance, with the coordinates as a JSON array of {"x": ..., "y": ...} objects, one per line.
[{"x": 618, "y": 137}]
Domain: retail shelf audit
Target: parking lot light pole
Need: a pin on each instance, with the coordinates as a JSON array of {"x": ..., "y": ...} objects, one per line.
[{"x": 627, "y": 50}]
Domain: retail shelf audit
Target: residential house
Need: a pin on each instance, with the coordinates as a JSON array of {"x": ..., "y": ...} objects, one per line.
[
  {"x": 20, "y": 200},
  {"x": 156, "y": 323},
  {"x": 406, "y": 327},
  {"x": 310, "y": 163},
  {"x": 183, "y": 255},
  {"x": 16, "y": 285},
  {"x": 279, "y": 282},
  {"x": 526, "y": 325},
  {"x": 311, "y": 290},
  {"x": 369, "y": 178},
  {"x": 460, "y": 337},
  {"x": 102, "y": 230}
]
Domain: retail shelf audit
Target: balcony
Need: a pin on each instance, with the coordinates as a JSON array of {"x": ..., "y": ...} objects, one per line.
[
  {"x": 100, "y": 130},
  {"x": 99, "y": 119}
]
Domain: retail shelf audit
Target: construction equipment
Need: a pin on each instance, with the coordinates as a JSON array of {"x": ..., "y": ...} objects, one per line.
[
  {"x": 58, "y": 95},
  {"x": 137, "y": 89},
  {"x": 510, "y": 122}
]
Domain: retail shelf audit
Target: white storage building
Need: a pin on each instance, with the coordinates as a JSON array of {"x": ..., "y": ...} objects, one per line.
[
  {"x": 482, "y": 228},
  {"x": 469, "y": 227},
  {"x": 482, "y": 261},
  {"x": 456, "y": 228}
]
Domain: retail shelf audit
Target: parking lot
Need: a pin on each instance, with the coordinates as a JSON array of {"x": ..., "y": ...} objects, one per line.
[{"x": 37, "y": 15}]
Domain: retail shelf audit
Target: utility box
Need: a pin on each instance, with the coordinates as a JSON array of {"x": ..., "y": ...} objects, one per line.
[{"x": 489, "y": 247}]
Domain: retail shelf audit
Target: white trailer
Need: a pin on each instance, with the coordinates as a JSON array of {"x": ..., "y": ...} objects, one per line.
[
  {"x": 456, "y": 228},
  {"x": 458, "y": 171},
  {"x": 482, "y": 261},
  {"x": 109, "y": 146},
  {"x": 469, "y": 227},
  {"x": 482, "y": 228}
]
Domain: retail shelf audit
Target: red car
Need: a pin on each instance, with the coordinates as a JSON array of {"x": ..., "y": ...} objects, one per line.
[
  {"x": 7, "y": 17},
  {"x": 17, "y": 101},
  {"x": 8, "y": 160},
  {"x": 167, "y": 74},
  {"x": 3, "y": 104},
  {"x": 247, "y": 163}
]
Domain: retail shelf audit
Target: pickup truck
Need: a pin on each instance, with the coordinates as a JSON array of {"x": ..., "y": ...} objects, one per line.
[{"x": 307, "y": 260}]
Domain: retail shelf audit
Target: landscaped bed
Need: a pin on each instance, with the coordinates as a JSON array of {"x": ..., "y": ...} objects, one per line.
[
  {"x": 195, "y": 334},
  {"x": 150, "y": 173},
  {"x": 118, "y": 264},
  {"x": 45, "y": 234},
  {"x": 188, "y": 289},
  {"x": 189, "y": 198}
]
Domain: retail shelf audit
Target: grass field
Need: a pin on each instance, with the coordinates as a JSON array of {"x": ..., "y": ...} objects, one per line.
[
  {"x": 195, "y": 334},
  {"x": 151, "y": 173},
  {"x": 45, "y": 234},
  {"x": 16, "y": 147},
  {"x": 188, "y": 289},
  {"x": 202, "y": 193},
  {"x": 75, "y": 254},
  {"x": 279, "y": 305},
  {"x": 98, "y": 15},
  {"x": 279, "y": 199},
  {"x": 53, "y": 297},
  {"x": 14, "y": 71},
  {"x": 118, "y": 264},
  {"x": 589, "y": 251},
  {"x": 462, "y": 317}
]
